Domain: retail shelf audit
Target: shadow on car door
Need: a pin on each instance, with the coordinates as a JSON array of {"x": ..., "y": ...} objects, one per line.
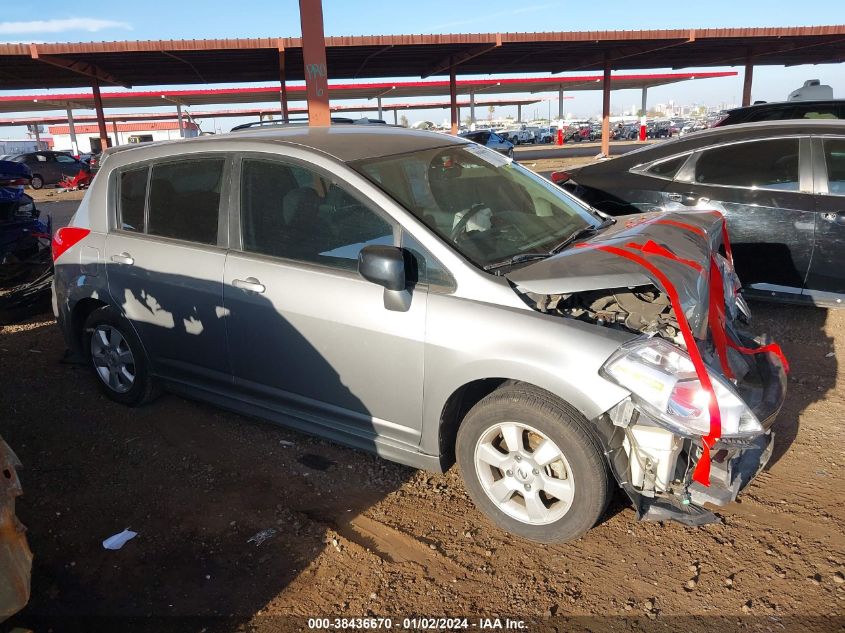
[{"x": 298, "y": 266}]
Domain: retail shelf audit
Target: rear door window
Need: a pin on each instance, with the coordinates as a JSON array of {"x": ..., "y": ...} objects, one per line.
[
  {"x": 834, "y": 157},
  {"x": 184, "y": 200},
  {"x": 769, "y": 164},
  {"x": 133, "y": 197}
]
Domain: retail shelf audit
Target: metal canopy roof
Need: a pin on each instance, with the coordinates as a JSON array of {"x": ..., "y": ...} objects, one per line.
[
  {"x": 391, "y": 90},
  {"x": 171, "y": 62},
  {"x": 194, "y": 114}
]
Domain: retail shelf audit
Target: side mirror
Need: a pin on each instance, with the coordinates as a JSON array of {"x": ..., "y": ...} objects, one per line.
[{"x": 383, "y": 265}]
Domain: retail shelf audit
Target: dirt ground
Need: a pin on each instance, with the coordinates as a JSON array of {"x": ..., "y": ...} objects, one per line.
[{"x": 356, "y": 535}]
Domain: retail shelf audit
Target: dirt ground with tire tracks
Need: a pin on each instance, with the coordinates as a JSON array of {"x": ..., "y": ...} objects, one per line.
[{"x": 356, "y": 535}]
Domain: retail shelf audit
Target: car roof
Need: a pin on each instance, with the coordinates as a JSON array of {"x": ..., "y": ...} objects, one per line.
[
  {"x": 347, "y": 143},
  {"x": 784, "y": 104},
  {"x": 717, "y": 135}
]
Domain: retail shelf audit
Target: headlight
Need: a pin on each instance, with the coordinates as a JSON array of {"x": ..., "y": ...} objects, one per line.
[{"x": 663, "y": 381}]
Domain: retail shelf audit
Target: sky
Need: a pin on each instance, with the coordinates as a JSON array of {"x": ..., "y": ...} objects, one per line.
[{"x": 97, "y": 20}]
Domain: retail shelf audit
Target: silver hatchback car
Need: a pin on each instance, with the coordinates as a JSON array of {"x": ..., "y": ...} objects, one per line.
[{"x": 428, "y": 299}]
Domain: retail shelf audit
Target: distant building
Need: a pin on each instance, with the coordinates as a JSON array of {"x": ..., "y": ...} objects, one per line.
[{"x": 88, "y": 136}]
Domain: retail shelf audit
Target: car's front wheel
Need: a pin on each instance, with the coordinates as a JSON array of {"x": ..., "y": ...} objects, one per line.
[
  {"x": 117, "y": 358},
  {"x": 532, "y": 466},
  {"x": 37, "y": 182}
]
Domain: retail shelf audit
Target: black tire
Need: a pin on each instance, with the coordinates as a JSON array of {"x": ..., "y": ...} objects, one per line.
[
  {"x": 144, "y": 388},
  {"x": 568, "y": 429},
  {"x": 510, "y": 153},
  {"x": 37, "y": 181}
]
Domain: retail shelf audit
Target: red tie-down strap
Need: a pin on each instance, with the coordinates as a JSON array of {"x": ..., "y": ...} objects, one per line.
[
  {"x": 716, "y": 313},
  {"x": 701, "y": 473}
]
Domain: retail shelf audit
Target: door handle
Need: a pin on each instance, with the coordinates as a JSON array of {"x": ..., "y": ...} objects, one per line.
[
  {"x": 250, "y": 283},
  {"x": 688, "y": 198},
  {"x": 123, "y": 258}
]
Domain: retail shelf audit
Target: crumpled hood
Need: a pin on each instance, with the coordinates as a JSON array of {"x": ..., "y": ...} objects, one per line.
[{"x": 581, "y": 269}]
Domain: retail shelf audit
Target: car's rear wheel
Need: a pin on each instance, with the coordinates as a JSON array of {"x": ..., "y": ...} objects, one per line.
[
  {"x": 37, "y": 181},
  {"x": 117, "y": 358},
  {"x": 532, "y": 466}
]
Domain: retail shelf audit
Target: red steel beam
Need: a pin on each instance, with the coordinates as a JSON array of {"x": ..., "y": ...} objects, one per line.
[
  {"x": 605, "y": 110},
  {"x": 101, "y": 119},
  {"x": 747, "y": 79},
  {"x": 283, "y": 86},
  {"x": 78, "y": 67},
  {"x": 314, "y": 59},
  {"x": 449, "y": 62},
  {"x": 453, "y": 100}
]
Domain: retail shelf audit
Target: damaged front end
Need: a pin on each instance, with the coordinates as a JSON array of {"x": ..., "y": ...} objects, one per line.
[
  {"x": 657, "y": 436},
  {"x": 15, "y": 556}
]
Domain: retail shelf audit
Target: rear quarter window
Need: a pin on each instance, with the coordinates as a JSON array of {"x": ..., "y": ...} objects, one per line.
[
  {"x": 132, "y": 199},
  {"x": 667, "y": 168}
]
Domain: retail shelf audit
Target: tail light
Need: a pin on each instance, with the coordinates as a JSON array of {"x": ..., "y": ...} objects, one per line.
[
  {"x": 66, "y": 237},
  {"x": 12, "y": 182},
  {"x": 560, "y": 177}
]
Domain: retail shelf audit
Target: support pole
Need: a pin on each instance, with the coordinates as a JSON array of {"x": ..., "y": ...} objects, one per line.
[
  {"x": 101, "y": 118},
  {"x": 472, "y": 107},
  {"x": 180, "y": 121},
  {"x": 453, "y": 99},
  {"x": 395, "y": 116},
  {"x": 283, "y": 87},
  {"x": 116, "y": 137},
  {"x": 73, "y": 143},
  {"x": 605, "y": 109},
  {"x": 560, "y": 103},
  {"x": 379, "y": 107},
  {"x": 37, "y": 137},
  {"x": 643, "y": 111},
  {"x": 314, "y": 58},
  {"x": 747, "y": 80},
  {"x": 519, "y": 113}
]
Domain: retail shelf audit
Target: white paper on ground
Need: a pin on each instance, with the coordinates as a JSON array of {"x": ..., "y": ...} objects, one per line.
[{"x": 119, "y": 540}]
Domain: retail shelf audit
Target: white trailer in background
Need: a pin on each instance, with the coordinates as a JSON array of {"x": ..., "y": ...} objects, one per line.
[
  {"x": 812, "y": 90},
  {"x": 17, "y": 146}
]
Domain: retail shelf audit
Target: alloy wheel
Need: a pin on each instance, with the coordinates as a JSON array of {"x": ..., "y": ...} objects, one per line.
[
  {"x": 113, "y": 358},
  {"x": 524, "y": 473}
]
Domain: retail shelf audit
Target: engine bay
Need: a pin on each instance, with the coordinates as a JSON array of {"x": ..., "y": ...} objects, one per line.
[{"x": 643, "y": 309}]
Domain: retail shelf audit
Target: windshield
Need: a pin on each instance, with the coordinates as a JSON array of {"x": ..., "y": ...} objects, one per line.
[{"x": 487, "y": 206}]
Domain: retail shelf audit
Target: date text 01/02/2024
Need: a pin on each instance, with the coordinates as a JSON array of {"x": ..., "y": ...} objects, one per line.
[{"x": 416, "y": 623}]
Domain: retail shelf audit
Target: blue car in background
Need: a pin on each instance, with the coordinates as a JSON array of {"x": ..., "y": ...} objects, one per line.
[
  {"x": 26, "y": 264},
  {"x": 490, "y": 139}
]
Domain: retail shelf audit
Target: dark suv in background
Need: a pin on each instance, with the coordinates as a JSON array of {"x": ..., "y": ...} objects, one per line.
[
  {"x": 827, "y": 109},
  {"x": 781, "y": 185},
  {"x": 48, "y": 168}
]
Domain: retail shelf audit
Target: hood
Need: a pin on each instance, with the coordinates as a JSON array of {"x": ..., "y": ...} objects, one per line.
[{"x": 581, "y": 269}]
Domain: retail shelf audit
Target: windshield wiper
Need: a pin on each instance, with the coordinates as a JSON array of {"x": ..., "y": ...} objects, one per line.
[
  {"x": 517, "y": 259},
  {"x": 585, "y": 230},
  {"x": 524, "y": 257}
]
